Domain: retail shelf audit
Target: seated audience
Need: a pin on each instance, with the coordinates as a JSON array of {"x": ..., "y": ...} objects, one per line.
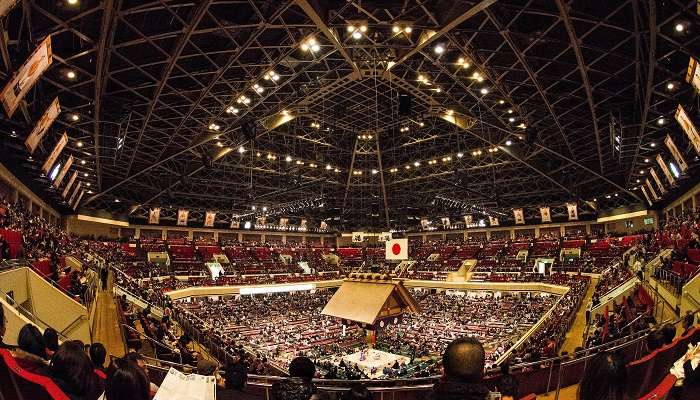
[
  {"x": 126, "y": 381},
  {"x": 463, "y": 369},
  {"x": 71, "y": 369},
  {"x": 51, "y": 341},
  {"x": 31, "y": 350},
  {"x": 604, "y": 378}
]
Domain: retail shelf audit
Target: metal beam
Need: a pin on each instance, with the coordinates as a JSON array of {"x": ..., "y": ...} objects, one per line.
[
  {"x": 199, "y": 13},
  {"x": 481, "y": 6},
  {"x": 327, "y": 32},
  {"x": 347, "y": 184},
  {"x": 109, "y": 16},
  {"x": 381, "y": 180},
  {"x": 566, "y": 19}
]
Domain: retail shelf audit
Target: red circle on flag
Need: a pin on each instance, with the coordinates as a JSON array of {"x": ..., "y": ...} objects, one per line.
[{"x": 396, "y": 249}]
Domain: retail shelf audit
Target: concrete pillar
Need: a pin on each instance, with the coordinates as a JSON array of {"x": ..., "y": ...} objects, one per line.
[
  {"x": 137, "y": 233},
  {"x": 537, "y": 231}
]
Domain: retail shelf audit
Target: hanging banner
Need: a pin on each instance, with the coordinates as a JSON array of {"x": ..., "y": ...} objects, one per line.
[
  {"x": 302, "y": 224},
  {"x": 493, "y": 221},
  {"x": 26, "y": 76},
  {"x": 154, "y": 216},
  {"x": 182, "y": 216},
  {"x": 41, "y": 127},
  {"x": 676, "y": 154},
  {"x": 468, "y": 220},
  {"x": 651, "y": 189},
  {"x": 70, "y": 183},
  {"x": 235, "y": 223},
  {"x": 55, "y": 153},
  {"x": 519, "y": 217},
  {"x": 358, "y": 237},
  {"x": 572, "y": 210},
  {"x": 62, "y": 174},
  {"x": 693, "y": 75},
  {"x": 688, "y": 127},
  {"x": 657, "y": 180},
  {"x": 665, "y": 170},
  {"x": 6, "y": 6},
  {"x": 209, "y": 217},
  {"x": 424, "y": 223},
  {"x": 544, "y": 213},
  {"x": 445, "y": 221},
  {"x": 77, "y": 201},
  {"x": 384, "y": 236},
  {"x": 284, "y": 221},
  {"x": 323, "y": 226},
  {"x": 646, "y": 195},
  {"x": 75, "y": 193}
]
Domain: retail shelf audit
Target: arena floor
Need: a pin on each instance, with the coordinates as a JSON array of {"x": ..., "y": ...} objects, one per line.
[{"x": 374, "y": 358}]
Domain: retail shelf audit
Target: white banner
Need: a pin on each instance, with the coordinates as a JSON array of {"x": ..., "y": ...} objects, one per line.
[
  {"x": 384, "y": 236},
  {"x": 445, "y": 221},
  {"x": 55, "y": 153},
  {"x": 544, "y": 213},
  {"x": 209, "y": 218},
  {"x": 6, "y": 6},
  {"x": 284, "y": 221},
  {"x": 693, "y": 75},
  {"x": 323, "y": 226},
  {"x": 424, "y": 223},
  {"x": 77, "y": 202},
  {"x": 519, "y": 217},
  {"x": 42, "y": 126},
  {"x": 688, "y": 127},
  {"x": 302, "y": 224},
  {"x": 493, "y": 221},
  {"x": 26, "y": 76},
  {"x": 676, "y": 154},
  {"x": 396, "y": 249},
  {"x": 75, "y": 193},
  {"x": 261, "y": 220},
  {"x": 63, "y": 172},
  {"x": 235, "y": 223},
  {"x": 154, "y": 216},
  {"x": 651, "y": 190},
  {"x": 572, "y": 210},
  {"x": 654, "y": 175},
  {"x": 646, "y": 195},
  {"x": 182, "y": 216},
  {"x": 664, "y": 169},
  {"x": 468, "y": 220},
  {"x": 70, "y": 183},
  {"x": 358, "y": 237}
]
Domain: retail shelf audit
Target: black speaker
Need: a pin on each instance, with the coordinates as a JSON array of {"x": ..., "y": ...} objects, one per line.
[{"x": 405, "y": 104}]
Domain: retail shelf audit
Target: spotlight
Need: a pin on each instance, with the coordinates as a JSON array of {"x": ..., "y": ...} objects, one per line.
[
  {"x": 416, "y": 164},
  {"x": 79, "y": 144},
  {"x": 363, "y": 28},
  {"x": 75, "y": 117},
  {"x": 264, "y": 208},
  {"x": 241, "y": 149},
  {"x": 439, "y": 49},
  {"x": 501, "y": 102},
  {"x": 484, "y": 91},
  {"x": 396, "y": 29},
  {"x": 288, "y": 159},
  {"x": 661, "y": 121},
  {"x": 510, "y": 111},
  {"x": 231, "y": 110},
  {"x": 408, "y": 29},
  {"x": 509, "y": 142},
  {"x": 72, "y": 2},
  {"x": 70, "y": 75},
  {"x": 82, "y": 162},
  {"x": 357, "y": 35},
  {"x": 511, "y": 119},
  {"x": 646, "y": 160},
  {"x": 652, "y": 144},
  {"x": 679, "y": 27},
  {"x": 460, "y": 155},
  {"x": 670, "y": 86}
]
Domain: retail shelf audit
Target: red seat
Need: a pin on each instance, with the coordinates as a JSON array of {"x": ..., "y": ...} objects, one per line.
[
  {"x": 18, "y": 384},
  {"x": 661, "y": 391}
]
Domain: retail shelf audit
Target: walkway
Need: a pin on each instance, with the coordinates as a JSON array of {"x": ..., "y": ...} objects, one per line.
[
  {"x": 106, "y": 328},
  {"x": 574, "y": 337}
]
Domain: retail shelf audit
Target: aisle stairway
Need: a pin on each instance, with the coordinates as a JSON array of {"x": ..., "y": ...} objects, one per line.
[{"x": 105, "y": 327}]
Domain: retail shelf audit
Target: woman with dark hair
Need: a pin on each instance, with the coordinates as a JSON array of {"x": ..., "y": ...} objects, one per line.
[
  {"x": 71, "y": 369},
  {"x": 605, "y": 378},
  {"x": 127, "y": 381},
  {"x": 31, "y": 350},
  {"x": 51, "y": 341},
  {"x": 98, "y": 354}
]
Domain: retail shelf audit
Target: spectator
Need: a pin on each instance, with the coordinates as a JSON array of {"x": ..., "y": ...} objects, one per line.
[
  {"x": 98, "y": 354},
  {"x": 655, "y": 340},
  {"x": 126, "y": 381},
  {"x": 358, "y": 392},
  {"x": 669, "y": 332},
  {"x": 71, "y": 369},
  {"x": 605, "y": 378},
  {"x": 236, "y": 375},
  {"x": 3, "y": 323},
  {"x": 463, "y": 369},
  {"x": 31, "y": 351},
  {"x": 688, "y": 321},
  {"x": 507, "y": 384},
  {"x": 51, "y": 341},
  {"x": 138, "y": 359},
  {"x": 299, "y": 385}
]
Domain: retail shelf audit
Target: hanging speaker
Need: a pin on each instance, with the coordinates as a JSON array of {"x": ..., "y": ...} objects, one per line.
[{"x": 405, "y": 104}]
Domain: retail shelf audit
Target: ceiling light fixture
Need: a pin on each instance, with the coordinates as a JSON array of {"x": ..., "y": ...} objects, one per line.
[
  {"x": 71, "y": 74},
  {"x": 439, "y": 49}
]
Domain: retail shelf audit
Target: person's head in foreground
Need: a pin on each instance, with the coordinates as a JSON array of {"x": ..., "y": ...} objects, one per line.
[
  {"x": 605, "y": 378},
  {"x": 463, "y": 369},
  {"x": 302, "y": 367},
  {"x": 127, "y": 381},
  {"x": 299, "y": 386},
  {"x": 72, "y": 370},
  {"x": 358, "y": 392},
  {"x": 98, "y": 354}
]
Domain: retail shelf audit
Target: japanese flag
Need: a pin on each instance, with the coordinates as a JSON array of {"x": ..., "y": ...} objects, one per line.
[{"x": 397, "y": 249}]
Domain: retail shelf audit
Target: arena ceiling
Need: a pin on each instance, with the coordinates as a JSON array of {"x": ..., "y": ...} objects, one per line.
[{"x": 514, "y": 103}]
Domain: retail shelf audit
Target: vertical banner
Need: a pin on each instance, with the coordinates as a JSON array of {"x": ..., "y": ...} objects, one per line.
[
  {"x": 493, "y": 221},
  {"x": 657, "y": 180},
  {"x": 468, "y": 220},
  {"x": 323, "y": 226},
  {"x": 302, "y": 224},
  {"x": 445, "y": 221},
  {"x": 676, "y": 154},
  {"x": 688, "y": 127},
  {"x": 651, "y": 189},
  {"x": 154, "y": 216},
  {"x": 646, "y": 195},
  {"x": 284, "y": 221},
  {"x": 572, "y": 210},
  {"x": 424, "y": 223},
  {"x": 546, "y": 216},
  {"x": 693, "y": 75},
  {"x": 384, "y": 236},
  {"x": 664, "y": 169},
  {"x": 55, "y": 153},
  {"x": 6, "y": 6},
  {"x": 235, "y": 223},
  {"x": 358, "y": 237},
  {"x": 75, "y": 193},
  {"x": 70, "y": 183},
  {"x": 77, "y": 201},
  {"x": 62, "y": 174},
  {"x": 519, "y": 217},
  {"x": 182, "y": 216},
  {"x": 41, "y": 127},
  {"x": 15, "y": 90},
  {"x": 209, "y": 218}
]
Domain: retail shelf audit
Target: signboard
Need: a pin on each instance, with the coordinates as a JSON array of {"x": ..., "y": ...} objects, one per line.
[
  {"x": 26, "y": 77},
  {"x": 42, "y": 126},
  {"x": 676, "y": 154},
  {"x": 55, "y": 153}
]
